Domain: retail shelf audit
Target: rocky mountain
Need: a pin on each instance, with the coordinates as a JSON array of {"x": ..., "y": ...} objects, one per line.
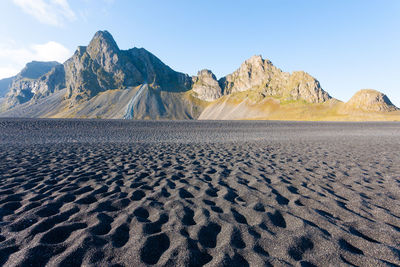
[
  {"x": 371, "y": 101},
  {"x": 258, "y": 74},
  {"x": 33, "y": 79},
  {"x": 102, "y": 73},
  {"x": 206, "y": 86},
  {"x": 102, "y": 81},
  {"x": 102, "y": 66}
]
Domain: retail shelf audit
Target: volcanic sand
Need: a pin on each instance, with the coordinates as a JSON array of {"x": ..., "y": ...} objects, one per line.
[{"x": 126, "y": 193}]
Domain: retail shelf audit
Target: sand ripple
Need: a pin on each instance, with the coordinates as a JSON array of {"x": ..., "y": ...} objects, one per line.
[{"x": 303, "y": 202}]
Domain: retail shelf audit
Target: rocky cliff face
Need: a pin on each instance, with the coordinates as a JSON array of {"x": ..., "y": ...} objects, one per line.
[
  {"x": 156, "y": 73},
  {"x": 31, "y": 80},
  {"x": 97, "y": 68},
  {"x": 302, "y": 86},
  {"x": 258, "y": 74},
  {"x": 206, "y": 86},
  {"x": 254, "y": 74},
  {"x": 51, "y": 82},
  {"x": 370, "y": 100},
  {"x": 102, "y": 66}
]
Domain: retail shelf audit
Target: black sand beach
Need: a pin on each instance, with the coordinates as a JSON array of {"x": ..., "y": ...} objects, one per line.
[{"x": 193, "y": 193}]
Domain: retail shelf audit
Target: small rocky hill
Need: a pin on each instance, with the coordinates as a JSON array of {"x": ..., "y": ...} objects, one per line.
[{"x": 370, "y": 100}]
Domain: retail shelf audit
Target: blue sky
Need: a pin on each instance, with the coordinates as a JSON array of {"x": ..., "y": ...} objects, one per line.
[{"x": 346, "y": 44}]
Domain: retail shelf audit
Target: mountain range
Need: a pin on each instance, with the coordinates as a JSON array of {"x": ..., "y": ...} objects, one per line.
[{"x": 102, "y": 81}]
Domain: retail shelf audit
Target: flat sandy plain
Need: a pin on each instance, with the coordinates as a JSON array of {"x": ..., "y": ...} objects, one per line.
[{"x": 137, "y": 193}]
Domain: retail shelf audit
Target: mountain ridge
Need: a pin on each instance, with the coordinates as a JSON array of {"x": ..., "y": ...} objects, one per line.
[
  {"x": 29, "y": 83},
  {"x": 102, "y": 73}
]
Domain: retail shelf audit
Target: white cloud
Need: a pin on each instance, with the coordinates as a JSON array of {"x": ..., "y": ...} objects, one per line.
[
  {"x": 7, "y": 72},
  {"x": 13, "y": 59},
  {"x": 51, "y": 51},
  {"x": 52, "y": 12}
]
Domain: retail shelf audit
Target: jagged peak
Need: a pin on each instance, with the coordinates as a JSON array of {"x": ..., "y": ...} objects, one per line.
[
  {"x": 206, "y": 72},
  {"x": 255, "y": 63},
  {"x": 102, "y": 41},
  {"x": 103, "y": 50},
  {"x": 254, "y": 60},
  {"x": 257, "y": 59},
  {"x": 206, "y": 86},
  {"x": 104, "y": 36}
]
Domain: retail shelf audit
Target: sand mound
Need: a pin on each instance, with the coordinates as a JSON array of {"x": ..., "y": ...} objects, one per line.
[{"x": 302, "y": 194}]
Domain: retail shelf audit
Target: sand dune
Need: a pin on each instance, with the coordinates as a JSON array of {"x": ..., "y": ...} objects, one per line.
[{"x": 126, "y": 193}]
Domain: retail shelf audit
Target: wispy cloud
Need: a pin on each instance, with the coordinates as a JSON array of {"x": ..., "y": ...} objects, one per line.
[
  {"x": 13, "y": 58},
  {"x": 51, "y": 12}
]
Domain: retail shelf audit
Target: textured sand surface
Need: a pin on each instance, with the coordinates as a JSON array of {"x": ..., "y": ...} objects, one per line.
[{"x": 126, "y": 193}]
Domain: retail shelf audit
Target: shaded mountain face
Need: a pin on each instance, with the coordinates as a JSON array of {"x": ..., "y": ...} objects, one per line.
[
  {"x": 370, "y": 100},
  {"x": 5, "y": 86},
  {"x": 102, "y": 66},
  {"x": 35, "y": 69},
  {"x": 34, "y": 78}
]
